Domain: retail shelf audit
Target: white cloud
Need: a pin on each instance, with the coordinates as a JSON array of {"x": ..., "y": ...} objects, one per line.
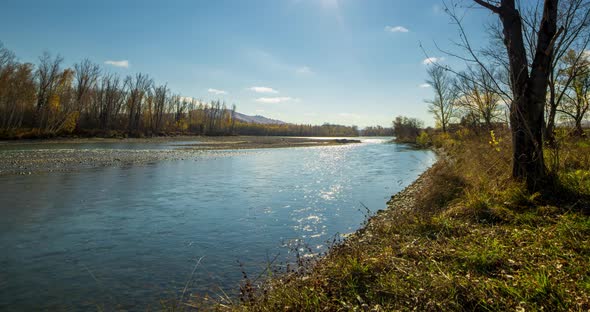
[
  {"x": 587, "y": 54},
  {"x": 273, "y": 100},
  {"x": 432, "y": 60},
  {"x": 216, "y": 91},
  {"x": 304, "y": 70},
  {"x": 395, "y": 29},
  {"x": 424, "y": 85},
  {"x": 263, "y": 90},
  {"x": 123, "y": 63}
]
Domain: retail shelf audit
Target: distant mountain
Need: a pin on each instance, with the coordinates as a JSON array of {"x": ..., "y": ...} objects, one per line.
[{"x": 257, "y": 119}]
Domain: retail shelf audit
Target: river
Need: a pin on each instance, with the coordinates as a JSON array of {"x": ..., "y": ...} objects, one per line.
[{"x": 125, "y": 237}]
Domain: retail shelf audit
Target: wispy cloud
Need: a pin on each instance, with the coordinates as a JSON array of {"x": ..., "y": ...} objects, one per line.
[
  {"x": 304, "y": 70},
  {"x": 122, "y": 63},
  {"x": 274, "y": 100},
  {"x": 216, "y": 91},
  {"x": 425, "y": 85},
  {"x": 267, "y": 60},
  {"x": 263, "y": 90},
  {"x": 432, "y": 60},
  {"x": 396, "y": 29}
]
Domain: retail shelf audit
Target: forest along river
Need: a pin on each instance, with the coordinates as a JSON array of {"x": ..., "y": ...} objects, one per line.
[{"x": 125, "y": 237}]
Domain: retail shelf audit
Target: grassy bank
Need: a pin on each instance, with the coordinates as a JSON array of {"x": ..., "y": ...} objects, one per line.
[{"x": 462, "y": 237}]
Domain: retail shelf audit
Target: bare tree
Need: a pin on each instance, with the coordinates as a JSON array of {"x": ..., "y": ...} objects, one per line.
[
  {"x": 86, "y": 76},
  {"x": 160, "y": 94},
  {"x": 180, "y": 105},
  {"x": 529, "y": 87},
  {"x": 478, "y": 96},
  {"x": 574, "y": 18},
  {"x": 109, "y": 100},
  {"x": 48, "y": 72},
  {"x": 577, "y": 98},
  {"x": 138, "y": 88},
  {"x": 443, "y": 106}
]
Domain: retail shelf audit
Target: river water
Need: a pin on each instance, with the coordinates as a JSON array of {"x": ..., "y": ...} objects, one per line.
[{"x": 126, "y": 237}]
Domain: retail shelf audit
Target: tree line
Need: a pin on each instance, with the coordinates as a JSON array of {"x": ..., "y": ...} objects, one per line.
[
  {"x": 49, "y": 99},
  {"x": 377, "y": 131},
  {"x": 286, "y": 129}
]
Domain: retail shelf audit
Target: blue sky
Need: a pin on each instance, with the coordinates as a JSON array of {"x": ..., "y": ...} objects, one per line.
[{"x": 304, "y": 61}]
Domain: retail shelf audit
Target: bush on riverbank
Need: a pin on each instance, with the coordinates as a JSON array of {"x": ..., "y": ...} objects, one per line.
[{"x": 463, "y": 237}]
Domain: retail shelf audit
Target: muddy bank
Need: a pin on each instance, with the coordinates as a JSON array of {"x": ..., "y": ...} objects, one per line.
[{"x": 35, "y": 156}]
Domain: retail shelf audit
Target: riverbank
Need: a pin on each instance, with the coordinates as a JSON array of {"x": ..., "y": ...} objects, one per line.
[
  {"x": 66, "y": 154},
  {"x": 464, "y": 236}
]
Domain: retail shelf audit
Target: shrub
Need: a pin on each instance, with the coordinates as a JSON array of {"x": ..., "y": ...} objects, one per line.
[
  {"x": 423, "y": 139},
  {"x": 406, "y": 129}
]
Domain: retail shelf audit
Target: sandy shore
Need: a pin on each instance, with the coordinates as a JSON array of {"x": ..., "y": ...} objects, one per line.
[{"x": 30, "y": 157}]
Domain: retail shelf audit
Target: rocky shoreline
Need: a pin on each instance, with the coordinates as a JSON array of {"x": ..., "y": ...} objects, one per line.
[{"x": 58, "y": 155}]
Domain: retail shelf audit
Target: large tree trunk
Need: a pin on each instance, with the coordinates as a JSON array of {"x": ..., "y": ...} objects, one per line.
[
  {"x": 526, "y": 115},
  {"x": 530, "y": 90},
  {"x": 527, "y": 147},
  {"x": 527, "y": 141},
  {"x": 537, "y": 88}
]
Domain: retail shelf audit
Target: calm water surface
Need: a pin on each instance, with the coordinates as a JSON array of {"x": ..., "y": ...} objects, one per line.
[{"x": 122, "y": 238}]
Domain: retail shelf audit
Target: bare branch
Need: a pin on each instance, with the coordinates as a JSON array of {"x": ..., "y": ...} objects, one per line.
[{"x": 488, "y": 6}]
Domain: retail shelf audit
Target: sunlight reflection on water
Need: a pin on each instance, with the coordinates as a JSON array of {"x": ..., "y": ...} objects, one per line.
[{"x": 128, "y": 236}]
